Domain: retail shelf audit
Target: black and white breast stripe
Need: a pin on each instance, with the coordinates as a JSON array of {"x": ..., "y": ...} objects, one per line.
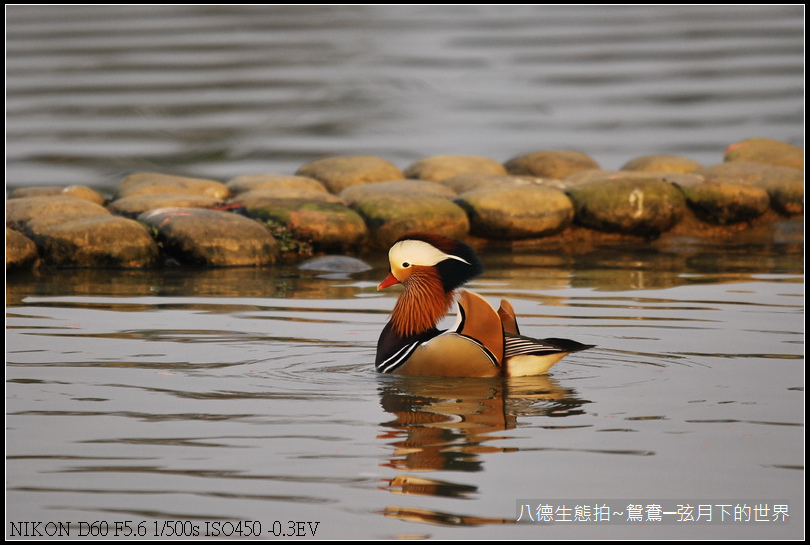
[{"x": 390, "y": 364}]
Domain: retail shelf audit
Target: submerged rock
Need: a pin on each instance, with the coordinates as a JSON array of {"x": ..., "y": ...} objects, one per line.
[
  {"x": 201, "y": 237},
  {"x": 768, "y": 151},
  {"x": 441, "y": 167},
  {"x": 338, "y": 173},
  {"x": 550, "y": 164},
  {"x": 629, "y": 203},
  {"x": 521, "y": 211}
]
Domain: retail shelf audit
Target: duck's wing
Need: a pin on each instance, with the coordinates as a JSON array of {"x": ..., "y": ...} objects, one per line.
[
  {"x": 527, "y": 357},
  {"x": 508, "y": 318},
  {"x": 479, "y": 321}
]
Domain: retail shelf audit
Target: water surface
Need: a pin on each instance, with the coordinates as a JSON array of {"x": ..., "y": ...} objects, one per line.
[{"x": 226, "y": 395}]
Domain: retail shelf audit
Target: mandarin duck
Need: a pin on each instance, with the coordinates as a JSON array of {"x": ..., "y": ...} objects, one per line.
[{"x": 482, "y": 343}]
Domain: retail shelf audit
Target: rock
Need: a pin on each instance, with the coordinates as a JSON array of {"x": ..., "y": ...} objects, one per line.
[
  {"x": 467, "y": 182},
  {"x": 354, "y": 194},
  {"x": 785, "y": 185},
  {"x": 21, "y": 252},
  {"x": 149, "y": 182},
  {"x": 338, "y": 173},
  {"x": 724, "y": 203},
  {"x": 768, "y": 151},
  {"x": 628, "y": 203},
  {"x": 135, "y": 205},
  {"x": 84, "y": 192},
  {"x": 324, "y": 225},
  {"x": 389, "y": 215},
  {"x": 335, "y": 264},
  {"x": 200, "y": 237},
  {"x": 100, "y": 241},
  {"x": 550, "y": 164},
  {"x": 36, "y": 191},
  {"x": 662, "y": 163},
  {"x": 20, "y": 211},
  {"x": 441, "y": 167},
  {"x": 253, "y": 182},
  {"x": 259, "y": 197},
  {"x": 524, "y": 211}
]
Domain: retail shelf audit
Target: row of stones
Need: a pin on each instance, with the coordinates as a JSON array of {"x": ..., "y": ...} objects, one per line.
[{"x": 348, "y": 204}]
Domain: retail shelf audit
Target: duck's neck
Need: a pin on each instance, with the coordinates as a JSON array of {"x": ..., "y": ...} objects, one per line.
[{"x": 422, "y": 304}]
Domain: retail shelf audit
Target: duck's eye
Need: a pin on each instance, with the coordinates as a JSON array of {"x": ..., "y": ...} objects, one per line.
[{"x": 405, "y": 265}]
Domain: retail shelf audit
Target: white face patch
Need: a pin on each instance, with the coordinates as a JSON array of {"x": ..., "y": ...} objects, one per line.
[{"x": 406, "y": 253}]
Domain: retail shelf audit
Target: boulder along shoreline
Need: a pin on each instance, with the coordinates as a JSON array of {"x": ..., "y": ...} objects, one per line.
[{"x": 559, "y": 201}]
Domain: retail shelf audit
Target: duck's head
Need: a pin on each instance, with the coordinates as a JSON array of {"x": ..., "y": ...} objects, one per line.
[{"x": 430, "y": 256}]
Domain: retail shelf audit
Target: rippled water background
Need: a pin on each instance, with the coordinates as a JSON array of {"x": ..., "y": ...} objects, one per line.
[{"x": 202, "y": 395}]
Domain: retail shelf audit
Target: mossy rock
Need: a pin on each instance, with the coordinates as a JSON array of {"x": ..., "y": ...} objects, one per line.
[
  {"x": 103, "y": 241},
  {"x": 516, "y": 212},
  {"x": 441, "y": 167},
  {"x": 389, "y": 216},
  {"x": 212, "y": 238},
  {"x": 338, "y": 173},
  {"x": 550, "y": 164},
  {"x": 768, "y": 151},
  {"x": 323, "y": 225},
  {"x": 151, "y": 182},
  {"x": 662, "y": 163},
  {"x": 257, "y": 198},
  {"x": 631, "y": 204}
]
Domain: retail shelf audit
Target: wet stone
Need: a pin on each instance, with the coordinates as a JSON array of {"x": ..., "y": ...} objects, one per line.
[
  {"x": 135, "y": 205},
  {"x": 662, "y": 163},
  {"x": 631, "y": 204},
  {"x": 389, "y": 215},
  {"x": 785, "y": 185},
  {"x": 103, "y": 241},
  {"x": 21, "y": 252},
  {"x": 468, "y": 182},
  {"x": 200, "y": 237},
  {"x": 149, "y": 182},
  {"x": 352, "y": 195},
  {"x": 325, "y": 225},
  {"x": 724, "y": 203},
  {"x": 524, "y": 211},
  {"x": 338, "y": 173},
  {"x": 766, "y": 150},
  {"x": 550, "y": 164},
  {"x": 252, "y": 182},
  {"x": 257, "y": 198},
  {"x": 36, "y": 191},
  {"x": 20, "y": 211},
  {"x": 441, "y": 167}
]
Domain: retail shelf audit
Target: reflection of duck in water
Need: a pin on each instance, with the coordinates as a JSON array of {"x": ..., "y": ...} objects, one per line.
[{"x": 483, "y": 343}]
